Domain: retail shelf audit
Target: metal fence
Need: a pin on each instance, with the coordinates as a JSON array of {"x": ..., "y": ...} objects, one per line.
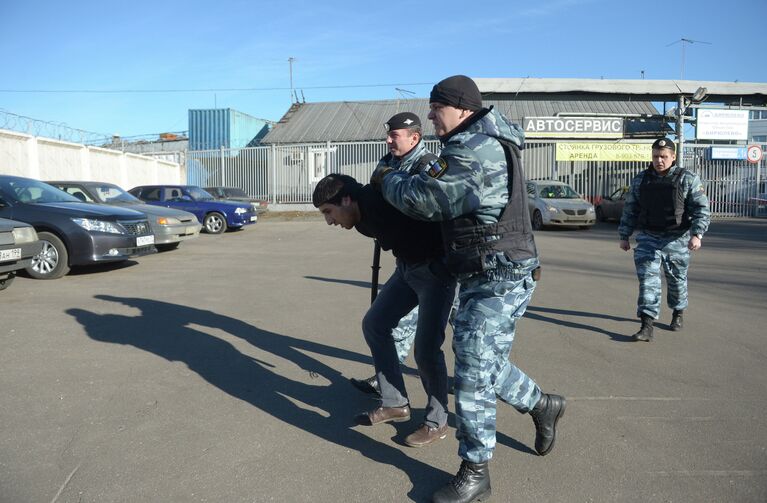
[{"x": 288, "y": 173}]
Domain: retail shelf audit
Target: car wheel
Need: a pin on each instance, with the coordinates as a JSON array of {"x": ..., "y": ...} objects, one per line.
[
  {"x": 5, "y": 283},
  {"x": 214, "y": 223},
  {"x": 167, "y": 246},
  {"x": 537, "y": 220},
  {"x": 53, "y": 260},
  {"x": 600, "y": 215}
]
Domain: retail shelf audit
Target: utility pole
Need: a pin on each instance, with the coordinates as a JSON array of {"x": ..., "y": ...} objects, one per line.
[{"x": 290, "y": 64}]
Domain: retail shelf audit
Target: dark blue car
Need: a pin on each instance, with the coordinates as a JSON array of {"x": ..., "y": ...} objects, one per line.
[{"x": 215, "y": 216}]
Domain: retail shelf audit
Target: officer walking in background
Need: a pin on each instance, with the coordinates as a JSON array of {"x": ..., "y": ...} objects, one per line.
[
  {"x": 668, "y": 206},
  {"x": 406, "y": 153},
  {"x": 476, "y": 189}
]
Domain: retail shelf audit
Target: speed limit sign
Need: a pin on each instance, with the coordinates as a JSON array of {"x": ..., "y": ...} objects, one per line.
[{"x": 754, "y": 154}]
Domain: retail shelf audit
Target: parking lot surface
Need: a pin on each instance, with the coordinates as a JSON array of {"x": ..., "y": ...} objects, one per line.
[{"x": 218, "y": 372}]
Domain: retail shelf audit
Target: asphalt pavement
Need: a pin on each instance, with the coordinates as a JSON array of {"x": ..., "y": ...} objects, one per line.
[{"x": 218, "y": 372}]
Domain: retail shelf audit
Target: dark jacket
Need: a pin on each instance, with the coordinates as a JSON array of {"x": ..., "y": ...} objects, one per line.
[{"x": 410, "y": 240}]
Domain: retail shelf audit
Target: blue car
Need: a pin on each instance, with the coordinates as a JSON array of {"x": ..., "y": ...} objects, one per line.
[{"x": 215, "y": 216}]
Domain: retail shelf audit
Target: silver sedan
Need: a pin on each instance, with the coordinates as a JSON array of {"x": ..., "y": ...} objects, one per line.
[{"x": 170, "y": 226}]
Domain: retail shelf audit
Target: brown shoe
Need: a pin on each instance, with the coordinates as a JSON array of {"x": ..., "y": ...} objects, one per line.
[
  {"x": 385, "y": 414},
  {"x": 426, "y": 435}
]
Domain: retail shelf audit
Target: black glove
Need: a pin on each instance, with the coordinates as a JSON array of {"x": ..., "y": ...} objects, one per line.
[{"x": 379, "y": 173}]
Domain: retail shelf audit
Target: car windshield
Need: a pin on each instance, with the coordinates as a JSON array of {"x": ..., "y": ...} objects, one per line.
[
  {"x": 28, "y": 191},
  {"x": 558, "y": 192},
  {"x": 198, "y": 194},
  {"x": 109, "y": 194},
  {"x": 235, "y": 193},
  {"x": 619, "y": 194}
]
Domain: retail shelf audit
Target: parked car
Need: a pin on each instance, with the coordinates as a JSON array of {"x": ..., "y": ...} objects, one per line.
[
  {"x": 239, "y": 195},
  {"x": 611, "y": 207},
  {"x": 169, "y": 225},
  {"x": 73, "y": 232},
  {"x": 555, "y": 203},
  {"x": 18, "y": 244},
  {"x": 215, "y": 216}
]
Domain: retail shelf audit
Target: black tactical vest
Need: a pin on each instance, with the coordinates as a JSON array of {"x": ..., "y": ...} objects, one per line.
[
  {"x": 661, "y": 202},
  {"x": 468, "y": 243}
]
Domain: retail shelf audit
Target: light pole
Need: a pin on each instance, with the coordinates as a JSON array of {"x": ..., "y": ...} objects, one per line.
[
  {"x": 290, "y": 64},
  {"x": 697, "y": 97}
]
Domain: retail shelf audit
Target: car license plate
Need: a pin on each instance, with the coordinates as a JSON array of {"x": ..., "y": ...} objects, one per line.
[
  {"x": 12, "y": 254},
  {"x": 145, "y": 240},
  {"x": 253, "y": 218}
]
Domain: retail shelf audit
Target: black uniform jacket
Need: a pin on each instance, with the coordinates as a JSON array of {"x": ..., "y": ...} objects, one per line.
[{"x": 410, "y": 240}]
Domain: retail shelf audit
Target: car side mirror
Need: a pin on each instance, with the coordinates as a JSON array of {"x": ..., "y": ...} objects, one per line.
[{"x": 186, "y": 198}]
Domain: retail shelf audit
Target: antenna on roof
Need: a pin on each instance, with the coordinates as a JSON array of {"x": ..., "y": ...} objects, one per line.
[
  {"x": 404, "y": 92},
  {"x": 684, "y": 41}
]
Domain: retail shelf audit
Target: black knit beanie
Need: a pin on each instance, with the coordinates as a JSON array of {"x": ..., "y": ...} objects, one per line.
[{"x": 458, "y": 91}]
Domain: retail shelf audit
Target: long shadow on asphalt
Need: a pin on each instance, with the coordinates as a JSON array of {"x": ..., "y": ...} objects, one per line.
[
  {"x": 164, "y": 330},
  {"x": 532, "y": 313},
  {"x": 362, "y": 284}
]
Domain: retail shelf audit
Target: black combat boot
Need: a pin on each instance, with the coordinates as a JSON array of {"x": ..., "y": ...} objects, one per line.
[
  {"x": 545, "y": 414},
  {"x": 645, "y": 333},
  {"x": 471, "y": 483},
  {"x": 677, "y": 320}
]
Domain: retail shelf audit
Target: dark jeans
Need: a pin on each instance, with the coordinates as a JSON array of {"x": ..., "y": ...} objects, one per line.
[{"x": 431, "y": 287}]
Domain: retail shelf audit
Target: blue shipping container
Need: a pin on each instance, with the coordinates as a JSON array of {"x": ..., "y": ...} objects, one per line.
[{"x": 211, "y": 129}]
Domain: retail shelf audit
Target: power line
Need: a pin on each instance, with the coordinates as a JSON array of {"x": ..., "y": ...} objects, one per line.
[{"x": 206, "y": 90}]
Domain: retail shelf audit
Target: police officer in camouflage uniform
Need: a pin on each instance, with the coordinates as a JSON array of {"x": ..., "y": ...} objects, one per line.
[
  {"x": 669, "y": 208},
  {"x": 476, "y": 189},
  {"x": 407, "y": 153}
]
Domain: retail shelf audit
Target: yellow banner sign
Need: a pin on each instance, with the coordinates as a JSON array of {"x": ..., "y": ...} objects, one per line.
[{"x": 604, "y": 152}]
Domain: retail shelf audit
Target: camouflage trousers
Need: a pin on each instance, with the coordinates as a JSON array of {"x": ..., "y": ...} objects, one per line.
[
  {"x": 404, "y": 333},
  {"x": 483, "y": 335},
  {"x": 651, "y": 253}
]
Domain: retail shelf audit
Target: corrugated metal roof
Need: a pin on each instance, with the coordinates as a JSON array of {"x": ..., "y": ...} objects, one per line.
[
  {"x": 516, "y": 98},
  {"x": 363, "y": 120},
  {"x": 654, "y": 88}
]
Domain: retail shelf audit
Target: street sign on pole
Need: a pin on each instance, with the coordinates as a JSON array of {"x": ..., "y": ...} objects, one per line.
[{"x": 754, "y": 154}]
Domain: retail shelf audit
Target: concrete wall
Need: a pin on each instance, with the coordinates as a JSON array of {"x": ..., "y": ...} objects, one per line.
[{"x": 49, "y": 159}]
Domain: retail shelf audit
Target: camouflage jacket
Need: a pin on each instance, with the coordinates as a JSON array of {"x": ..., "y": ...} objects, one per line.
[
  {"x": 408, "y": 161},
  {"x": 469, "y": 178},
  {"x": 696, "y": 204}
]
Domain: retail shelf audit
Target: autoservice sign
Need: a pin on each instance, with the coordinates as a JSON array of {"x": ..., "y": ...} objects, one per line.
[
  {"x": 722, "y": 124},
  {"x": 573, "y": 127}
]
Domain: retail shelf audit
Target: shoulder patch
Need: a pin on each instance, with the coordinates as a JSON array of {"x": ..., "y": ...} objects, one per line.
[{"x": 437, "y": 168}]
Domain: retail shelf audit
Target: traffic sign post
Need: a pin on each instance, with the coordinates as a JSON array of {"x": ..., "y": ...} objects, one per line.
[{"x": 754, "y": 154}]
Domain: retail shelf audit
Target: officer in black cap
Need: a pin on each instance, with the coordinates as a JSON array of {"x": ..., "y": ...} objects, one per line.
[
  {"x": 668, "y": 206},
  {"x": 406, "y": 153}
]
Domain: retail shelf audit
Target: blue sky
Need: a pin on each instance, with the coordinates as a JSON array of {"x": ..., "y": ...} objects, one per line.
[{"x": 343, "y": 50}]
